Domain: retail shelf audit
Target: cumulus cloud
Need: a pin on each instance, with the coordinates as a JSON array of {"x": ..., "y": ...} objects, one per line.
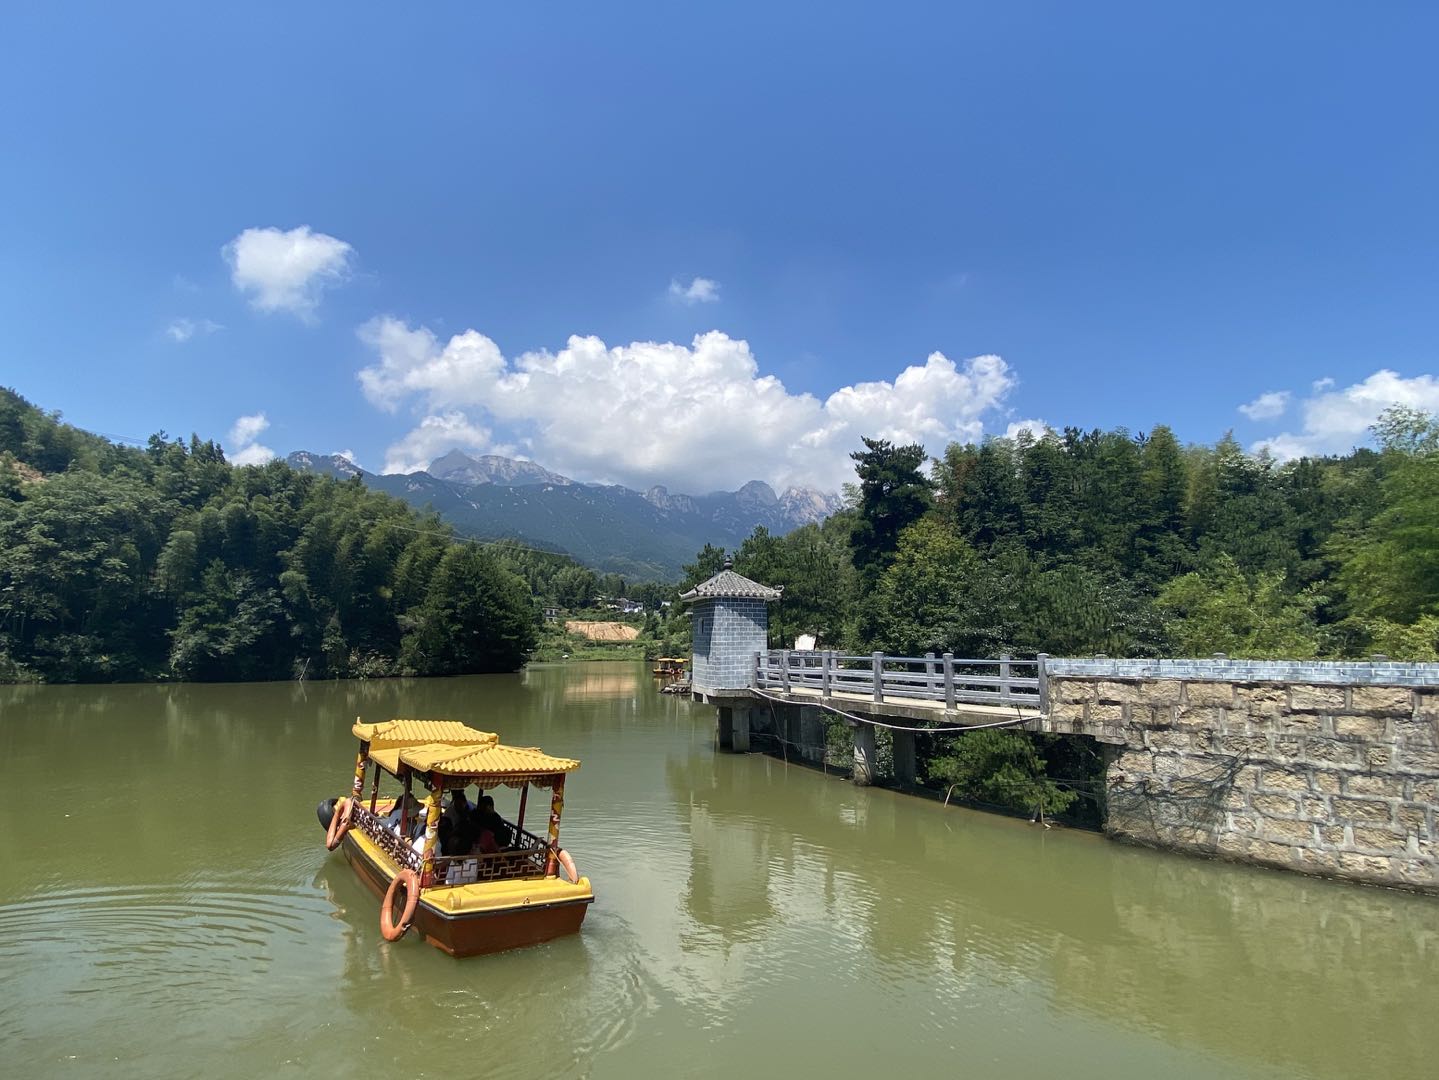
[
  {"x": 242, "y": 447},
  {"x": 182, "y": 330},
  {"x": 1037, "y": 429},
  {"x": 436, "y": 436},
  {"x": 699, "y": 416},
  {"x": 1268, "y": 405},
  {"x": 700, "y": 290},
  {"x": 1335, "y": 421},
  {"x": 286, "y": 271}
]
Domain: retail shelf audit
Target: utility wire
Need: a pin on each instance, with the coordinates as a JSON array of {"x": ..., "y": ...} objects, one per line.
[{"x": 895, "y": 727}]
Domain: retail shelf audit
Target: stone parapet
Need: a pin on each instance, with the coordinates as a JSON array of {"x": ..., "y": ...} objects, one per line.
[
  {"x": 1343, "y": 672},
  {"x": 1330, "y": 777}
]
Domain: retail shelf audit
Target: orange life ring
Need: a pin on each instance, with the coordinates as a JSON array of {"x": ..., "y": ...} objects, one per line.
[
  {"x": 569, "y": 864},
  {"x": 339, "y": 823},
  {"x": 388, "y": 927}
]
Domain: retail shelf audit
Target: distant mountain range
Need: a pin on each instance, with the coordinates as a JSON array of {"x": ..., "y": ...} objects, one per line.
[{"x": 641, "y": 535}]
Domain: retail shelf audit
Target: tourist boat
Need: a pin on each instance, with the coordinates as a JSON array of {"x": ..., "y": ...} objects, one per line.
[
  {"x": 482, "y": 901},
  {"x": 669, "y": 667}
]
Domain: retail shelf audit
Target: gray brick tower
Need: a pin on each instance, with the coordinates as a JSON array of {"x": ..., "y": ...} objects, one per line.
[{"x": 730, "y": 625}]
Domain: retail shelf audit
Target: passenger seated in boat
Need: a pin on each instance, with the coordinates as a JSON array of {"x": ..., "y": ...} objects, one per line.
[
  {"x": 454, "y": 839},
  {"x": 391, "y": 820},
  {"x": 493, "y": 831}
]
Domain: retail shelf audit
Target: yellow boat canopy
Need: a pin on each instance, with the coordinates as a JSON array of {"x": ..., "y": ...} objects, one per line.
[
  {"x": 452, "y": 749},
  {"x": 398, "y": 734}
]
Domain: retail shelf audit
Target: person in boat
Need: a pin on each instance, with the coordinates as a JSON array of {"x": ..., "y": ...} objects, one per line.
[
  {"x": 492, "y": 831},
  {"x": 391, "y": 820}
]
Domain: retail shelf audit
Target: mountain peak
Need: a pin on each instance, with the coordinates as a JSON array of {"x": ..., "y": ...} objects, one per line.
[
  {"x": 757, "y": 491},
  {"x": 457, "y": 467}
]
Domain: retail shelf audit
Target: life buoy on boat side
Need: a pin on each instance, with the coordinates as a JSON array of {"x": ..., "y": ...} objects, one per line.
[
  {"x": 389, "y": 929},
  {"x": 339, "y": 823},
  {"x": 569, "y": 865}
]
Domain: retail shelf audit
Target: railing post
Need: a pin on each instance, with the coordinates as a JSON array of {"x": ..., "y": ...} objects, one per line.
[
  {"x": 878, "y": 660},
  {"x": 784, "y": 678},
  {"x": 1041, "y": 660},
  {"x": 759, "y": 671},
  {"x": 1004, "y": 678},
  {"x": 949, "y": 702},
  {"x": 826, "y": 662},
  {"x": 929, "y": 673}
]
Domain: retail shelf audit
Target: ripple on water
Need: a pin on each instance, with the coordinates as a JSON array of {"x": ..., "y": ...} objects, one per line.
[{"x": 165, "y": 958}]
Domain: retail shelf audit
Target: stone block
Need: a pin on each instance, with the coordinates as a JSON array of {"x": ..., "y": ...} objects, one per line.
[
  {"x": 1372, "y": 867},
  {"x": 1327, "y": 782},
  {"x": 1209, "y": 693},
  {"x": 1413, "y": 759},
  {"x": 1276, "y": 854},
  {"x": 1161, "y": 692},
  {"x": 1276, "y": 805},
  {"x": 1262, "y": 700},
  {"x": 1360, "y": 727},
  {"x": 1167, "y": 764},
  {"x": 1241, "y": 824},
  {"x": 1288, "y": 746},
  {"x": 1366, "y": 836},
  {"x": 1331, "y": 752},
  {"x": 1366, "y": 810},
  {"x": 1318, "y": 862},
  {"x": 1284, "y": 780},
  {"x": 1387, "y": 787},
  {"x": 1106, "y": 714},
  {"x": 1419, "y": 871},
  {"x": 1414, "y": 819},
  {"x": 1245, "y": 746},
  {"x": 1378, "y": 757},
  {"x": 1422, "y": 730},
  {"x": 1066, "y": 712},
  {"x": 1333, "y": 835},
  {"x": 1236, "y": 800},
  {"x": 1072, "y": 690},
  {"x": 1381, "y": 700},
  {"x": 1316, "y": 698},
  {"x": 1193, "y": 718},
  {"x": 1303, "y": 723},
  {"x": 1234, "y": 843},
  {"x": 1135, "y": 762},
  {"x": 1426, "y": 791},
  {"x": 1116, "y": 693},
  {"x": 1168, "y": 740},
  {"x": 1314, "y": 808},
  {"x": 1295, "y": 832}
]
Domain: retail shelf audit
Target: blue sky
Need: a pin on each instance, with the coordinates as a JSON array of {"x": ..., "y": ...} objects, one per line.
[{"x": 1151, "y": 213}]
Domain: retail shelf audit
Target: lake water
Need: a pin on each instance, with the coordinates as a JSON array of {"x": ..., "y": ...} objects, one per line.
[{"x": 168, "y": 909}]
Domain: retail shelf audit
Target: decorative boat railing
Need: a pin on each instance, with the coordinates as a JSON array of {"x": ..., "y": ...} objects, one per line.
[
  {"x": 385, "y": 839},
  {"x": 527, "y": 857}
]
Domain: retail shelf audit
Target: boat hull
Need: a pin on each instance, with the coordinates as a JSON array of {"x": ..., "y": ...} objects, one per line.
[{"x": 472, "y": 932}]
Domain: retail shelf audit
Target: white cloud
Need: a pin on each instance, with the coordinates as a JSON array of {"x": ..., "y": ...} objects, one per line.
[
  {"x": 698, "y": 417},
  {"x": 1037, "y": 429},
  {"x": 701, "y": 290},
  {"x": 436, "y": 436},
  {"x": 348, "y": 455},
  {"x": 1335, "y": 421},
  {"x": 1322, "y": 384},
  {"x": 242, "y": 448},
  {"x": 286, "y": 271},
  {"x": 1268, "y": 405},
  {"x": 182, "y": 330}
]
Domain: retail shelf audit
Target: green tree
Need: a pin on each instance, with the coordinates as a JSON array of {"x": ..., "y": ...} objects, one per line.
[
  {"x": 1004, "y": 768},
  {"x": 1222, "y": 610},
  {"x": 476, "y": 618},
  {"x": 893, "y": 494}
]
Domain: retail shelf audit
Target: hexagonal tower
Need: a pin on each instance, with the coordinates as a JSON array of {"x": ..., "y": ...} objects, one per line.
[{"x": 730, "y": 624}]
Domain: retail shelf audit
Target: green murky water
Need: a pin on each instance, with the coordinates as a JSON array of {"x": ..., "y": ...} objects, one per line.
[{"x": 167, "y": 909}]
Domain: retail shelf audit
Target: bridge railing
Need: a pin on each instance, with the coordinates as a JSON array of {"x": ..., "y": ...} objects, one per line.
[{"x": 880, "y": 678}]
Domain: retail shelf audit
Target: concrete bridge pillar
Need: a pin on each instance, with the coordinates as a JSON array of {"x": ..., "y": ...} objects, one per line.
[
  {"x": 904, "y": 764},
  {"x": 741, "y": 731},
  {"x": 725, "y": 719},
  {"x": 863, "y": 774}
]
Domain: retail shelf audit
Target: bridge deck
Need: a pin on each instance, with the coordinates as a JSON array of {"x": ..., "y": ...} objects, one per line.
[{"x": 906, "y": 709}]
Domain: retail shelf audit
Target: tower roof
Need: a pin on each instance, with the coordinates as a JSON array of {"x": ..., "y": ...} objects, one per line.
[{"x": 729, "y": 584}]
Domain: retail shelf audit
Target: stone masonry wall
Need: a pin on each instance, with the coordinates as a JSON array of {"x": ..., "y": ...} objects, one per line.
[
  {"x": 1329, "y": 777},
  {"x": 727, "y": 633}
]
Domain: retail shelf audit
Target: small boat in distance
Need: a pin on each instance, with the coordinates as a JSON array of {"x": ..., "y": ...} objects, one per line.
[
  {"x": 669, "y": 667},
  {"x": 505, "y": 889}
]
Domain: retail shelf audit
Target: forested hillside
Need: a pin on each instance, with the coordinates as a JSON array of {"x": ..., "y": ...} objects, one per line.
[
  {"x": 121, "y": 564},
  {"x": 1085, "y": 542}
]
